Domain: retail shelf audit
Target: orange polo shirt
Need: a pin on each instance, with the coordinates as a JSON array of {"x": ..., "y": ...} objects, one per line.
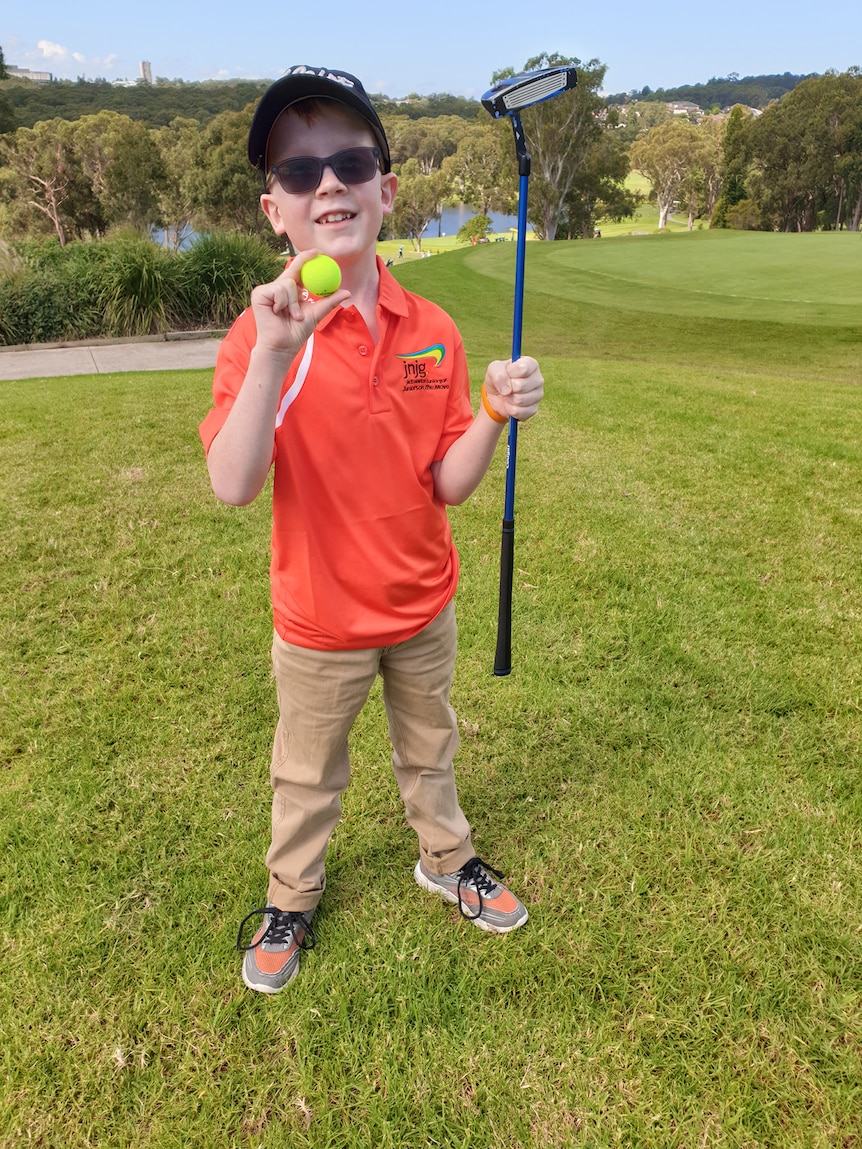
[{"x": 362, "y": 551}]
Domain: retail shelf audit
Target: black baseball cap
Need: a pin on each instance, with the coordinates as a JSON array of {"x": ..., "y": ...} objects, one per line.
[{"x": 302, "y": 82}]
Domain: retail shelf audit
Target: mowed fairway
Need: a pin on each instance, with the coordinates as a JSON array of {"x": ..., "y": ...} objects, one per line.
[{"x": 670, "y": 777}]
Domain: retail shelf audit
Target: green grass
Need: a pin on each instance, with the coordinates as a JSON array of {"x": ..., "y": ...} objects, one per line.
[{"x": 670, "y": 776}]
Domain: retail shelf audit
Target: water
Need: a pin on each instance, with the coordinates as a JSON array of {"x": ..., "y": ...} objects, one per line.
[{"x": 455, "y": 217}]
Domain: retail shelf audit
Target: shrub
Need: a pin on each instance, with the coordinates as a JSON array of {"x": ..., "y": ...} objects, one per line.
[
  {"x": 743, "y": 216},
  {"x": 474, "y": 229},
  {"x": 126, "y": 286},
  {"x": 138, "y": 289},
  {"x": 217, "y": 273},
  {"x": 50, "y": 293}
]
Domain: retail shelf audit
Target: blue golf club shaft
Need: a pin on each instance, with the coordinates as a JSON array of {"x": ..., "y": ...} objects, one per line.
[{"x": 503, "y": 654}]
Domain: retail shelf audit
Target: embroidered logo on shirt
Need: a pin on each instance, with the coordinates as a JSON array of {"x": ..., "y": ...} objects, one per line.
[
  {"x": 437, "y": 352},
  {"x": 421, "y": 369}
]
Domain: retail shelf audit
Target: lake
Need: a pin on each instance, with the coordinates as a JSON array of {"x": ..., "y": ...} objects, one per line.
[{"x": 455, "y": 217}]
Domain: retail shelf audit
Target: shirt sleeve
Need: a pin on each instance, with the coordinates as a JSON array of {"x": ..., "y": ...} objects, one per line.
[
  {"x": 230, "y": 371},
  {"x": 459, "y": 411}
]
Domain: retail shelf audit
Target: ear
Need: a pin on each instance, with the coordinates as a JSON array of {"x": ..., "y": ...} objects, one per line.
[
  {"x": 270, "y": 210},
  {"x": 388, "y": 188}
]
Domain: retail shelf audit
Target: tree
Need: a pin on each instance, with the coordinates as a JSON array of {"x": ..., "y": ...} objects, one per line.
[
  {"x": 735, "y": 160},
  {"x": 474, "y": 229},
  {"x": 599, "y": 191},
  {"x": 481, "y": 170},
  {"x": 712, "y": 159},
  {"x": 783, "y": 176},
  {"x": 669, "y": 157},
  {"x": 227, "y": 188},
  {"x": 7, "y": 114},
  {"x": 45, "y": 182},
  {"x": 419, "y": 200},
  {"x": 82, "y": 177},
  {"x": 559, "y": 134},
  {"x": 806, "y": 156},
  {"x": 122, "y": 162},
  {"x": 429, "y": 141},
  {"x": 638, "y": 117},
  {"x": 176, "y": 143}
]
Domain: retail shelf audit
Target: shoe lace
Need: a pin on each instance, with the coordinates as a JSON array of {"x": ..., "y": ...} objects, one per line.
[
  {"x": 475, "y": 873},
  {"x": 283, "y": 927}
]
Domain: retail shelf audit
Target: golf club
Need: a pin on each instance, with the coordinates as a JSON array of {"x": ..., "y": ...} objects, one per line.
[{"x": 509, "y": 98}]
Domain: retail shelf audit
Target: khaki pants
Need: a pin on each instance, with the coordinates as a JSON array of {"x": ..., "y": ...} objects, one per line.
[{"x": 320, "y": 693}]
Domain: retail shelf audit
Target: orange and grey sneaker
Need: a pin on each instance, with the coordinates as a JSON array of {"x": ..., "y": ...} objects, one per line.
[
  {"x": 480, "y": 898},
  {"x": 272, "y": 957}
]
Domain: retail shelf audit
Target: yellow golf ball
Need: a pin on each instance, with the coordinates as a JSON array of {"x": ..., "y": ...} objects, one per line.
[{"x": 321, "y": 275}]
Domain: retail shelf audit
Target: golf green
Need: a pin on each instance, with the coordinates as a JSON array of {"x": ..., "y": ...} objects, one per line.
[{"x": 785, "y": 278}]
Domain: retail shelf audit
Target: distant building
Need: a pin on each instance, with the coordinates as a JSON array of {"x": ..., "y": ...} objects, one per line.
[
  {"x": 146, "y": 72},
  {"x": 26, "y": 74},
  {"x": 684, "y": 108}
]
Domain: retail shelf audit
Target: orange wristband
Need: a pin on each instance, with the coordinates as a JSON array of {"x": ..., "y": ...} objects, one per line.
[{"x": 497, "y": 418}]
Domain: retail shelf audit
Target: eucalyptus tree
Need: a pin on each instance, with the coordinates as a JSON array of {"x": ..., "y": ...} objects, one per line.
[
  {"x": 428, "y": 140},
  {"x": 43, "y": 183},
  {"x": 599, "y": 192},
  {"x": 120, "y": 159},
  {"x": 177, "y": 144},
  {"x": 559, "y": 135},
  {"x": 419, "y": 200},
  {"x": 481, "y": 170},
  {"x": 669, "y": 156},
  {"x": 806, "y": 153},
  {"x": 226, "y": 190}
]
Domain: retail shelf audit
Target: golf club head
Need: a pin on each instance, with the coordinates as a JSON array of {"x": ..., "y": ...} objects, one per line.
[{"x": 513, "y": 95}]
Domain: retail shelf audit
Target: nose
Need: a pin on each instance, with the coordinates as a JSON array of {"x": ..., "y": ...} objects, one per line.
[{"x": 329, "y": 181}]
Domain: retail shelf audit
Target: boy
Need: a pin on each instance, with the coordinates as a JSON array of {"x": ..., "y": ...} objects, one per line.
[{"x": 361, "y": 400}]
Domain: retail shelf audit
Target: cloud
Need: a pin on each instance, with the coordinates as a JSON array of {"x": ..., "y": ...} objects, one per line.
[
  {"x": 49, "y": 51},
  {"x": 56, "y": 55},
  {"x": 62, "y": 60}
]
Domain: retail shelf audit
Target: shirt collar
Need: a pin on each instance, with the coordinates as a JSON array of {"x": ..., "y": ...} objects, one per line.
[{"x": 390, "y": 295}]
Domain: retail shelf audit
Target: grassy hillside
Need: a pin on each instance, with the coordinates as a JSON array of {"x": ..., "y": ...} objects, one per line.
[{"x": 670, "y": 777}]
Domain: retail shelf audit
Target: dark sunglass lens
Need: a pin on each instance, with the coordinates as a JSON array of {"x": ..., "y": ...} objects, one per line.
[
  {"x": 356, "y": 165},
  {"x": 299, "y": 175}
]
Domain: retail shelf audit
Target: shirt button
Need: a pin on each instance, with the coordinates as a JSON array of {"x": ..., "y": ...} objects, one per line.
[
  {"x": 363, "y": 350},
  {"x": 375, "y": 380}
]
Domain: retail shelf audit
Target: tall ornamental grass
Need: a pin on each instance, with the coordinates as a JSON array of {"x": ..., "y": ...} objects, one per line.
[
  {"x": 218, "y": 272},
  {"x": 139, "y": 290}
]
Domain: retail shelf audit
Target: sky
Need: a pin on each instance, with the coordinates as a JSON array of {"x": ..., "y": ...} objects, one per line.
[{"x": 453, "y": 46}]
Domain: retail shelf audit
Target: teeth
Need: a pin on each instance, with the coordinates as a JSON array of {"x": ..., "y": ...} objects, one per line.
[{"x": 336, "y": 218}]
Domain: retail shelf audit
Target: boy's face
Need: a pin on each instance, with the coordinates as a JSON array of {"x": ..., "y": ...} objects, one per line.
[{"x": 341, "y": 220}]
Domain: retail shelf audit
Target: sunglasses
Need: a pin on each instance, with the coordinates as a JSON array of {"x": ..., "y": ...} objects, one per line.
[{"x": 303, "y": 173}]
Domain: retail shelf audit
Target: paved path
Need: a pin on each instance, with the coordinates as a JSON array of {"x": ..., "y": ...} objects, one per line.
[{"x": 102, "y": 358}]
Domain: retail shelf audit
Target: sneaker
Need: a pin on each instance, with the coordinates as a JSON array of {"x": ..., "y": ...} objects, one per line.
[
  {"x": 272, "y": 958},
  {"x": 481, "y": 900}
]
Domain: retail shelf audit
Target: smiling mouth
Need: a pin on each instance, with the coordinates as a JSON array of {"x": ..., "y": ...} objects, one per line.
[{"x": 336, "y": 217}]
